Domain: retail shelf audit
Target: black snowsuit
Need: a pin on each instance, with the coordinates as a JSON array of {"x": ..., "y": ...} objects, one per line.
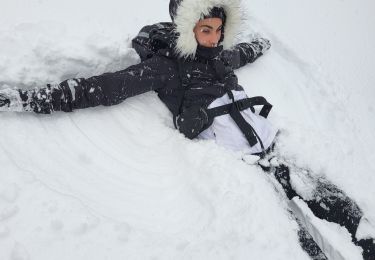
[{"x": 183, "y": 84}]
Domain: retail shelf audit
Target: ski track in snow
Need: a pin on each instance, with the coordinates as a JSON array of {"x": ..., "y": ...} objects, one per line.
[{"x": 109, "y": 183}]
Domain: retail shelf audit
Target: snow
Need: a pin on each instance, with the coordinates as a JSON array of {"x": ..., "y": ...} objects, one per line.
[
  {"x": 333, "y": 239},
  {"x": 120, "y": 182},
  {"x": 303, "y": 184},
  {"x": 366, "y": 230}
]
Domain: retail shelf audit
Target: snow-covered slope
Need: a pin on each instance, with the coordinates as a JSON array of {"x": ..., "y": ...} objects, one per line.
[{"x": 120, "y": 182}]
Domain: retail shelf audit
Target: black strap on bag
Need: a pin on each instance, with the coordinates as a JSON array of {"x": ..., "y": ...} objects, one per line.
[
  {"x": 242, "y": 105},
  {"x": 249, "y": 132},
  {"x": 234, "y": 110},
  {"x": 196, "y": 119}
]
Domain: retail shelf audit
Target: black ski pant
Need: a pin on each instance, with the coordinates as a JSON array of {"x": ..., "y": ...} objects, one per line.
[{"x": 331, "y": 204}]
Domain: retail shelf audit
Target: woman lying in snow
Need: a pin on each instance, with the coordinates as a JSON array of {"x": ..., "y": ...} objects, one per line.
[{"x": 190, "y": 64}]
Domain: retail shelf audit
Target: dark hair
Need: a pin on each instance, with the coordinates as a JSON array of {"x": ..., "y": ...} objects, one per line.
[{"x": 217, "y": 12}]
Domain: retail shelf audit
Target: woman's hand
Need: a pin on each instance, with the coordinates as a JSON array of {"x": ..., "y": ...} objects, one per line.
[{"x": 263, "y": 43}]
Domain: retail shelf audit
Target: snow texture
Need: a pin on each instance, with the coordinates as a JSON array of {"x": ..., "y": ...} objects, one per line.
[
  {"x": 334, "y": 240},
  {"x": 119, "y": 182}
]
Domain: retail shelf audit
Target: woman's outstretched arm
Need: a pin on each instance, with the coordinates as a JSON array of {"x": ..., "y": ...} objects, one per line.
[
  {"x": 107, "y": 89},
  {"x": 244, "y": 53}
]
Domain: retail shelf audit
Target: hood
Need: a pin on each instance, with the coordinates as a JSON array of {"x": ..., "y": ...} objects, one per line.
[{"x": 186, "y": 13}]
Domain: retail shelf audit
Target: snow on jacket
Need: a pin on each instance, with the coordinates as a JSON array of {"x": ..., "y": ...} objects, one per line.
[{"x": 181, "y": 70}]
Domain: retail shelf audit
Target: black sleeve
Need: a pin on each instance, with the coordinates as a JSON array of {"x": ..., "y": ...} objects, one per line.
[
  {"x": 242, "y": 54},
  {"x": 152, "y": 38},
  {"x": 142, "y": 43},
  {"x": 112, "y": 88},
  {"x": 107, "y": 89}
]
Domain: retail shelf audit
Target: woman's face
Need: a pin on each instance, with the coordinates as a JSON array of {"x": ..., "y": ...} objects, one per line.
[{"x": 208, "y": 32}]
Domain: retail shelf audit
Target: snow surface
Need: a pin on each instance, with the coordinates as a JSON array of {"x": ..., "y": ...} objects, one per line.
[
  {"x": 120, "y": 182},
  {"x": 333, "y": 239}
]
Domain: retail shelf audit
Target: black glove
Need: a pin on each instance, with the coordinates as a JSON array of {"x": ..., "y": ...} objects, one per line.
[
  {"x": 10, "y": 100},
  {"x": 4, "y": 101},
  {"x": 263, "y": 43}
]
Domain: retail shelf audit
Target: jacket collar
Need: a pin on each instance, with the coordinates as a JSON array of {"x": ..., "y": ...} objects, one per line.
[{"x": 208, "y": 53}]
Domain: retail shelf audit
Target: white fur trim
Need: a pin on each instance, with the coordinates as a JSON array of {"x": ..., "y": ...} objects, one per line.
[{"x": 189, "y": 13}]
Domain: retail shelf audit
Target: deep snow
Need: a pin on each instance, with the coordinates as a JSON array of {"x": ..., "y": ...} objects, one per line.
[{"x": 120, "y": 182}]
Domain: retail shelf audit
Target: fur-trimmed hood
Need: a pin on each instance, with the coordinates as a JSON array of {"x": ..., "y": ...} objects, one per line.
[{"x": 186, "y": 13}]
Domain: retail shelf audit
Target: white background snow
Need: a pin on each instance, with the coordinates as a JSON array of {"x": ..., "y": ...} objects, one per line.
[{"x": 121, "y": 183}]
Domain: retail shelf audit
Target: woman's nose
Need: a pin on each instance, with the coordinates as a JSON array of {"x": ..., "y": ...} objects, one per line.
[{"x": 213, "y": 39}]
